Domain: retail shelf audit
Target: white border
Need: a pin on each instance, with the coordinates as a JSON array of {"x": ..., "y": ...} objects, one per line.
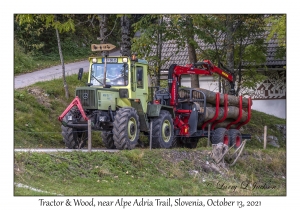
[{"x": 8, "y": 8}]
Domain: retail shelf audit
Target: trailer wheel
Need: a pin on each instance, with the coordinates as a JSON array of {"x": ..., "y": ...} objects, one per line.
[
  {"x": 163, "y": 131},
  {"x": 235, "y": 138},
  {"x": 74, "y": 138},
  {"x": 126, "y": 128},
  {"x": 107, "y": 139},
  {"x": 220, "y": 135}
]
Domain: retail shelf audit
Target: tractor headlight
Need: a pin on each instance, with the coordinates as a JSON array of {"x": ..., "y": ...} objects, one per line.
[{"x": 94, "y": 60}]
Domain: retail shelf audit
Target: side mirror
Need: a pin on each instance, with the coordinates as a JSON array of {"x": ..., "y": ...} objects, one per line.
[{"x": 80, "y": 72}]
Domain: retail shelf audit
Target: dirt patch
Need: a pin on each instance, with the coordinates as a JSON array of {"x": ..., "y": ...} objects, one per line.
[
  {"x": 201, "y": 160},
  {"x": 41, "y": 96}
]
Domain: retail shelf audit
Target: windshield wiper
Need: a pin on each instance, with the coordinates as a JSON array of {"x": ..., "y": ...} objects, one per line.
[{"x": 97, "y": 80}]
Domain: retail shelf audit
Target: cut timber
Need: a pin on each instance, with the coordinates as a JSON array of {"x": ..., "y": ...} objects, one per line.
[
  {"x": 232, "y": 100},
  {"x": 232, "y": 113},
  {"x": 211, "y": 97}
]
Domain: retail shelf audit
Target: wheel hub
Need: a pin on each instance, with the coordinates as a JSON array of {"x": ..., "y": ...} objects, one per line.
[
  {"x": 131, "y": 129},
  {"x": 166, "y": 134}
]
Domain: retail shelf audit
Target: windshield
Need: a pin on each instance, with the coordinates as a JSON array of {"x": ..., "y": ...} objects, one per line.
[{"x": 116, "y": 74}]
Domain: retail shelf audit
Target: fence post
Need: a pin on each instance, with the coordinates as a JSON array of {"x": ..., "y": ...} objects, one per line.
[
  {"x": 208, "y": 136},
  {"x": 265, "y": 137},
  {"x": 89, "y": 136},
  {"x": 150, "y": 135}
]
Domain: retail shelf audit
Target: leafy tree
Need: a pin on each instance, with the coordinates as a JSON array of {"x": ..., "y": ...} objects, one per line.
[
  {"x": 250, "y": 51},
  {"x": 277, "y": 31},
  {"x": 235, "y": 40},
  {"x": 61, "y": 23},
  {"x": 154, "y": 31},
  {"x": 211, "y": 30}
]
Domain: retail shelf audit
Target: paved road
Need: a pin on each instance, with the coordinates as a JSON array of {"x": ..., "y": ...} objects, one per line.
[
  {"x": 64, "y": 150},
  {"x": 51, "y": 73}
]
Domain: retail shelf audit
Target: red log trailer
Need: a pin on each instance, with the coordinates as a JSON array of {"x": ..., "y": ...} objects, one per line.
[{"x": 189, "y": 107}]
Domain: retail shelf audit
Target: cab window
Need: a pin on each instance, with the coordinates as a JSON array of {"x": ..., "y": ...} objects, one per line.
[{"x": 139, "y": 77}]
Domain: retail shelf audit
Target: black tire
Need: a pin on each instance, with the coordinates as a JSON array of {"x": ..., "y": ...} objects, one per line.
[
  {"x": 107, "y": 139},
  {"x": 235, "y": 138},
  {"x": 74, "y": 138},
  {"x": 163, "y": 131},
  {"x": 126, "y": 128},
  {"x": 220, "y": 135}
]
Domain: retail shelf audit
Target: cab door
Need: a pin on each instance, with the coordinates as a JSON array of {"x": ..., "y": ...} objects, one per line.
[{"x": 142, "y": 85}]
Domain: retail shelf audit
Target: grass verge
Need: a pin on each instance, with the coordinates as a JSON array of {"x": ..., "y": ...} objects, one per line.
[{"x": 139, "y": 172}]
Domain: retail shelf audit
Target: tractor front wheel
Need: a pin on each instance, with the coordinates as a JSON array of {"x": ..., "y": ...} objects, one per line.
[
  {"x": 163, "y": 131},
  {"x": 74, "y": 138},
  {"x": 126, "y": 128}
]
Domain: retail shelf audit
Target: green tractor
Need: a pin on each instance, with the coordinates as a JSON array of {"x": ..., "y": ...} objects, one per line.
[{"x": 116, "y": 101}]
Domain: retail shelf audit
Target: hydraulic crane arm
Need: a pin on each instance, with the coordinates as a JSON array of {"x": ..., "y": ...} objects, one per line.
[{"x": 201, "y": 68}]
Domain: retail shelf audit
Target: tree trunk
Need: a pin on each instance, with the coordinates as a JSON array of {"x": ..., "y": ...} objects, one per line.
[
  {"x": 63, "y": 66},
  {"x": 229, "y": 49},
  {"x": 103, "y": 30},
  {"x": 158, "y": 51},
  {"x": 191, "y": 51},
  {"x": 193, "y": 59},
  {"x": 125, "y": 37}
]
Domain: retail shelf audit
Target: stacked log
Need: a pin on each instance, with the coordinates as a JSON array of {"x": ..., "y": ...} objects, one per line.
[
  {"x": 232, "y": 100},
  {"x": 232, "y": 113},
  {"x": 232, "y": 107}
]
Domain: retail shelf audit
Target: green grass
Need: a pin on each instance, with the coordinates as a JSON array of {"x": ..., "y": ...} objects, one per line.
[{"x": 145, "y": 173}]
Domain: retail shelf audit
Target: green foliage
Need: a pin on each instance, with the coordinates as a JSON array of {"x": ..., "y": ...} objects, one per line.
[
  {"x": 64, "y": 23},
  {"x": 277, "y": 24},
  {"x": 153, "y": 32},
  {"x": 36, "y": 43},
  {"x": 251, "y": 78},
  {"x": 22, "y": 62}
]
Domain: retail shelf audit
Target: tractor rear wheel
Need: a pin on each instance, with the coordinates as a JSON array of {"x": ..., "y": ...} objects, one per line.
[
  {"x": 235, "y": 138},
  {"x": 163, "y": 131},
  {"x": 220, "y": 135},
  {"x": 126, "y": 128},
  {"x": 107, "y": 139}
]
